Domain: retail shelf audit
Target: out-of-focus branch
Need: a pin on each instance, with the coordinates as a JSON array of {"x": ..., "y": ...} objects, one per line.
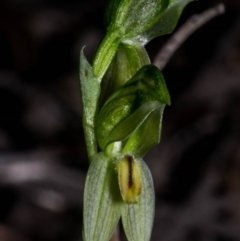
[{"x": 192, "y": 24}]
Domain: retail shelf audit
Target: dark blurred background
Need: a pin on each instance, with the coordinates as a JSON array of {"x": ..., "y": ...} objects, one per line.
[{"x": 43, "y": 160}]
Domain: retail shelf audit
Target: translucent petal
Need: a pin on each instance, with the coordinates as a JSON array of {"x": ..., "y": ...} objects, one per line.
[{"x": 102, "y": 200}]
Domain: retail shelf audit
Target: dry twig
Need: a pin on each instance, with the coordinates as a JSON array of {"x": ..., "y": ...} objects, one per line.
[{"x": 192, "y": 24}]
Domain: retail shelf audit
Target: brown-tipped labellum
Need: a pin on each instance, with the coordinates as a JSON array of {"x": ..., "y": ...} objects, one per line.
[{"x": 129, "y": 179}]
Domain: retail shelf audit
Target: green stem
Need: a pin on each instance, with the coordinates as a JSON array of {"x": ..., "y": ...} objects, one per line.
[{"x": 105, "y": 53}]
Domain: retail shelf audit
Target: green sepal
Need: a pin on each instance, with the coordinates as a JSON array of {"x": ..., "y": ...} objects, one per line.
[
  {"x": 90, "y": 91},
  {"x": 131, "y": 123},
  {"x": 137, "y": 219},
  {"x": 167, "y": 23},
  {"x": 128, "y": 107},
  {"x": 130, "y": 57},
  {"x": 132, "y": 17},
  {"x": 102, "y": 200},
  {"x": 147, "y": 135}
]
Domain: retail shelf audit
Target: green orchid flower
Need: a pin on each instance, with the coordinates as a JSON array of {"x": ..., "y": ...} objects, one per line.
[{"x": 118, "y": 187}]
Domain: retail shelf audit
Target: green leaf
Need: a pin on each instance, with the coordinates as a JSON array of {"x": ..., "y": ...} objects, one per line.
[
  {"x": 138, "y": 218},
  {"x": 130, "y": 57},
  {"x": 132, "y": 17},
  {"x": 102, "y": 200},
  {"x": 127, "y": 108},
  {"x": 90, "y": 91},
  {"x": 166, "y": 23},
  {"x": 146, "y": 136}
]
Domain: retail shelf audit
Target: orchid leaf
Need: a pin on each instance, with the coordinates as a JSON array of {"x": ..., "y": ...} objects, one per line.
[{"x": 90, "y": 91}]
